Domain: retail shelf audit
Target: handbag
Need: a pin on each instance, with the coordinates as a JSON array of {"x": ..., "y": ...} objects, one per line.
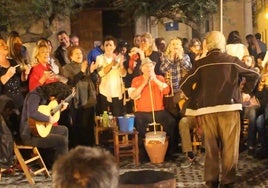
[
  {"x": 92, "y": 94},
  {"x": 85, "y": 96}
]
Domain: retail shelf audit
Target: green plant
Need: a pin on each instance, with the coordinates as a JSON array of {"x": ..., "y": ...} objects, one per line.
[
  {"x": 26, "y": 12},
  {"x": 191, "y": 12}
]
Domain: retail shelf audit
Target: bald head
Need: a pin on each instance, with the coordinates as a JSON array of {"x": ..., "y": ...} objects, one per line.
[{"x": 215, "y": 40}]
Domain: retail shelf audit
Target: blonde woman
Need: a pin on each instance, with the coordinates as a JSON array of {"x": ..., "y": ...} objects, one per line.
[
  {"x": 41, "y": 73},
  {"x": 147, "y": 50},
  {"x": 175, "y": 65},
  {"x": 54, "y": 63},
  {"x": 176, "y": 62}
]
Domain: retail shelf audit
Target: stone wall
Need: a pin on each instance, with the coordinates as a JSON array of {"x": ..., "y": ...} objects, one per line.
[
  {"x": 261, "y": 21},
  {"x": 157, "y": 29},
  {"x": 41, "y": 28},
  {"x": 184, "y": 31},
  {"x": 237, "y": 15}
]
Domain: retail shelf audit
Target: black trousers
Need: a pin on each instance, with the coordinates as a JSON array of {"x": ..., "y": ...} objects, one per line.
[
  {"x": 57, "y": 140},
  {"x": 116, "y": 106},
  {"x": 82, "y": 130}
]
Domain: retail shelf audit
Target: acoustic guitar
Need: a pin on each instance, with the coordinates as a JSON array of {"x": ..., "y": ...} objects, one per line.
[{"x": 43, "y": 129}]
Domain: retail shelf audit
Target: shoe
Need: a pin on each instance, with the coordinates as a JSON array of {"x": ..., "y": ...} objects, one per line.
[
  {"x": 261, "y": 153},
  {"x": 201, "y": 160},
  {"x": 9, "y": 171},
  {"x": 188, "y": 162}
]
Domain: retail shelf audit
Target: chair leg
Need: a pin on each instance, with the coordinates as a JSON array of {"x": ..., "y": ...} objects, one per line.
[
  {"x": 24, "y": 162},
  {"x": 41, "y": 162},
  {"x": 1, "y": 170},
  {"x": 196, "y": 143},
  {"x": 136, "y": 148},
  {"x": 116, "y": 148},
  {"x": 24, "y": 166}
]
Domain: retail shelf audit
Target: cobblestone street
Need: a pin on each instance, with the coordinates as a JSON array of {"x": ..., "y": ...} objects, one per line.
[{"x": 251, "y": 173}]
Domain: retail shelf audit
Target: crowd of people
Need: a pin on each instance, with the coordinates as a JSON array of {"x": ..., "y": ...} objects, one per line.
[{"x": 211, "y": 84}]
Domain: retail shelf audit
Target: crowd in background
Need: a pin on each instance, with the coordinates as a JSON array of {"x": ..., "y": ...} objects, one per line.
[{"x": 106, "y": 75}]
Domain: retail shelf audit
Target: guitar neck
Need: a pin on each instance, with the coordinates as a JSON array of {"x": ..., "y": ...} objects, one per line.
[
  {"x": 68, "y": 98},
  {"x": 57, "y": 108}
]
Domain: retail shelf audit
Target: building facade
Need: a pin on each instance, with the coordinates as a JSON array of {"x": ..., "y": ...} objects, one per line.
[{"x": 260, "y": 18}]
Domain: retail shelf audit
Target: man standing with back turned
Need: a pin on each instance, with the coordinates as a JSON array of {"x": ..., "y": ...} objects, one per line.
[{"x": 212, "y": 89}]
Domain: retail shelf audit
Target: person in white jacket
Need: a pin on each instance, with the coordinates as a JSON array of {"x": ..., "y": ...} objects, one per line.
[{"x": 234, "y": 46}]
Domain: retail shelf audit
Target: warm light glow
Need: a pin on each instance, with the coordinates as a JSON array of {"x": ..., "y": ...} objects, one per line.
[{"x": 266, "y": 15}]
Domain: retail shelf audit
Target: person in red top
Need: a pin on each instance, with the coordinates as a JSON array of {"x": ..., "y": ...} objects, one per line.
[
  {"x": 143, "y": 97},
  {"x": 41, "y": 72}
]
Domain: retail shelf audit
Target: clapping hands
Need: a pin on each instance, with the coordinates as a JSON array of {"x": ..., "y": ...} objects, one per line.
[{"x": 84, "y": 66}]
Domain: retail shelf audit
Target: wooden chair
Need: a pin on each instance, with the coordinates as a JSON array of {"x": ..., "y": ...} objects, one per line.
[
  {"x": 245, "y": 123},
  {"x": 244, "y": 133},
  {"x": 126, "y": 144},
  {"x": 9, "y": 170},
  {"x": 1, "y": 171},
  {"x": 35, "y": 157},
  {"x": 197, "y": 137},
  {"x": 196, "y": 141},
  {"x": 98, "y": 129}
]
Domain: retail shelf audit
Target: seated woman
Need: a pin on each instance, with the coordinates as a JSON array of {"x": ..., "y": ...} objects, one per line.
[
  {"x": 253, "y": 111},
  {"x": 262, "y": 94}
]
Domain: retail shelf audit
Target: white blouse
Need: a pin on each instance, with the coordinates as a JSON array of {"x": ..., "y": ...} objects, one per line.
[{"x": 111, "y": 85}]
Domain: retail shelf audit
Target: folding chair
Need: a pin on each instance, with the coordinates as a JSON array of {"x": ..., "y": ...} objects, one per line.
[{"x": 35, "y": 157}]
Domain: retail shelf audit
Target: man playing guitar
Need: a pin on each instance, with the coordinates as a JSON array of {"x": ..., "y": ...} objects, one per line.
[{"x": 57, "y": 136}]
